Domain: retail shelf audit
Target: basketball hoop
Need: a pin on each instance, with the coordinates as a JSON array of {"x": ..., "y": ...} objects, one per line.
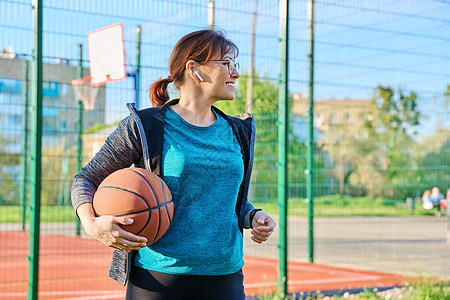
[
  {"x": 85, "y": 91},
  {"x": 106, "y": 54},
  {"x": 106, "y": 63}
]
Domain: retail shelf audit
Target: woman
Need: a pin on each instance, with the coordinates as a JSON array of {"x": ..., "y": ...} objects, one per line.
[{"x": 205, "y": 157}]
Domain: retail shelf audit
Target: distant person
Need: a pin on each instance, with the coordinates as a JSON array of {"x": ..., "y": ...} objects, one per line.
[
  {"x": 426, "y": 196},
  {"x": 427, "y": 204},
  {"x": 445, "y": 204},
  {"x": 436, "y": 197}
]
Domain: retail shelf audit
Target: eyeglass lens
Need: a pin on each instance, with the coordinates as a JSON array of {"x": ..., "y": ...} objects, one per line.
[{"x": 232, "y": 66}]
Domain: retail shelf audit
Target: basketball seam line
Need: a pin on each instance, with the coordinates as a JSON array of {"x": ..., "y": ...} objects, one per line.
[
  {"x": 137, "y": 212},
  {"x": 148, "y": 209},
  {"x": 164, "y": 197},
  {"x": 136, "y": 194},
  {"x": 156, "y": 198}
]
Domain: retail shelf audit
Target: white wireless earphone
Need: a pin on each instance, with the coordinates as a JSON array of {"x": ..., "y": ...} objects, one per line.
[{"x": 198, "y": 75}]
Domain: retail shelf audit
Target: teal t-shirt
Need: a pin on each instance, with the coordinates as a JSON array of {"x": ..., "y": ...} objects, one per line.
[{"x": 203, "y": 168}]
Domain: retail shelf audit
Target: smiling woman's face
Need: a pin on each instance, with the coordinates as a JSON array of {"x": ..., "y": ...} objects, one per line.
[{"x": 218, "y": 84}]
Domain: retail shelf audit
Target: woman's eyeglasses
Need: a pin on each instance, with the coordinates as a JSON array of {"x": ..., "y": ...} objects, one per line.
[{"x": 230, "y": 64}]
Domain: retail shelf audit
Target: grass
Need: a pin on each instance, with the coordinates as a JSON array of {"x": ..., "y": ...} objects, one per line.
[
  {"x": 325, "y": 206},
  {"x": 421, "y": 289},
  {"x": 345, "y": 206},
  {"x": 49, "y": 213}
]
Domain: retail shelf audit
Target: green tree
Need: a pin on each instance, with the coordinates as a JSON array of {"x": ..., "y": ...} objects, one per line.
[
  {"x": 385, "y": 160},
  {"x": 265, "y": 111},
  {"x": 433, "y": 160},
  {"x": 340, "y": 146},
  {"x": 58, "y": 169},
  {"x": 265, "y": 97},
  {"x": 9, "y": 162}
]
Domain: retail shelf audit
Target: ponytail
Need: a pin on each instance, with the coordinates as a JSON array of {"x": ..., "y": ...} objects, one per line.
[{"x": 158, "y": 92}]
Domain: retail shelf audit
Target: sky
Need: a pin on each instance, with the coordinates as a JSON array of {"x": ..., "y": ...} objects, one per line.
[{"x": 359, "y": 44}]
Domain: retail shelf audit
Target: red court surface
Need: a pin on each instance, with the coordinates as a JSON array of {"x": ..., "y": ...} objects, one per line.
[{"x": 75, "y": 268}]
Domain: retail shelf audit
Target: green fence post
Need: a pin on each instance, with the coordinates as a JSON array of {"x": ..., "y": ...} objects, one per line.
[
  {"x": 283, "y": 125},
  {"x": 35, "y": 157},
  {"x": 24, "y": 162},
  {"x": 310, "y": 139},
  {"x": 79, "y": 127}
]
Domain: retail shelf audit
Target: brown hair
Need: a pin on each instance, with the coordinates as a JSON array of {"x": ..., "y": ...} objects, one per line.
[{"x": 200, "y": 46}]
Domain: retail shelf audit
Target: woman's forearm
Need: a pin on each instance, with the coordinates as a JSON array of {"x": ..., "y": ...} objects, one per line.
[{"x": 86, "y": 214}]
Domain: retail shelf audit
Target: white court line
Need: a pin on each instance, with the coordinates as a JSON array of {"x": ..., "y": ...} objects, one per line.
[
  {"x": 109, "y": 296},
  {"x": 318, "y": 269},
  {"x": 313, "y": 281},
  {"x": 66, "y": 293}
]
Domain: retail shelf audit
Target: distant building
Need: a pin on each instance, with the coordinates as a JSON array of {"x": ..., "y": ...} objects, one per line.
[
  {"x": 339, "y": 122},
  {"x": 299, "y": 125},
  {"x": 350, "y": 113},
  {"x": 59, "y": 107},
  {"x": 92, "y": 142}
]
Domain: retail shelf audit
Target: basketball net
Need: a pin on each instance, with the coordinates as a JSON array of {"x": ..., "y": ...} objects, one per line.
[{"x": 86, "y": 92}]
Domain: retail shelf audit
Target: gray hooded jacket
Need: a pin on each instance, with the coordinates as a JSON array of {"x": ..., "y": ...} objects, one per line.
[{"x": 138, "y": 140}]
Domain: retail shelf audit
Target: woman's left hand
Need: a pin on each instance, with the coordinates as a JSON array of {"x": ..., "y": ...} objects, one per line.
[{"x": 263, "y": 226}]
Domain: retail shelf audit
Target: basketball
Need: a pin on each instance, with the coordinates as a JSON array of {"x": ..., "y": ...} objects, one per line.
[{"x": 140, "y": 195}]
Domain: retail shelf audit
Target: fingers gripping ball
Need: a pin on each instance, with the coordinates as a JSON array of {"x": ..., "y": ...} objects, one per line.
[{"x": 140, "y": 195}]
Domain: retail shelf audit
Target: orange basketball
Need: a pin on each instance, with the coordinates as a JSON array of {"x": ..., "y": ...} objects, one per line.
[{"x": 140, "y": 195}]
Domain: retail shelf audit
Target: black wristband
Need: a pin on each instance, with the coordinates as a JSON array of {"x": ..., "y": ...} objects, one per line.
[{"x": 252, "y": 215}]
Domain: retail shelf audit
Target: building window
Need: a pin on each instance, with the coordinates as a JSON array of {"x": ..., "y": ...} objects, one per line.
[
  {"x": 62, "y": 89},
  {"x": 363, "y": 134},
  {"x": 333, "y": 118},
  {"x": 347, "y": 118},
  {"x": 49, "y": 124},
  {"x": 318, "y": 119}
]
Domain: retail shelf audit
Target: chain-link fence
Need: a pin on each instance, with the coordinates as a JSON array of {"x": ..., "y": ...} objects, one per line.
[{"x": 381, "y": 119}]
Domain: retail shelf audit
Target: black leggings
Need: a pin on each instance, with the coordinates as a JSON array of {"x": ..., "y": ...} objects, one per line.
[{"x": 145, "y": 284}]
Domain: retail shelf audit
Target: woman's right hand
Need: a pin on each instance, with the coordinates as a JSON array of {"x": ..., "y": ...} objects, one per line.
[{"x": 107, "y": 229}]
